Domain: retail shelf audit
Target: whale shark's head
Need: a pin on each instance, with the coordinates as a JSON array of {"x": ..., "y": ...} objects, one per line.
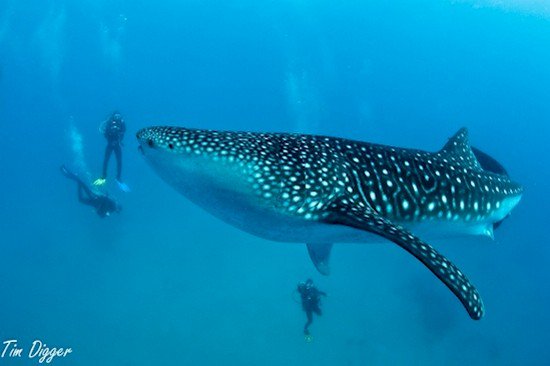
[
  {"x": 191, "y": 159},
  {"x": 166, "y": 151},
  {"x": 188, "y": 144},
  {"x": 164, "y": 142},
  {"x": 215, "y": 170}
]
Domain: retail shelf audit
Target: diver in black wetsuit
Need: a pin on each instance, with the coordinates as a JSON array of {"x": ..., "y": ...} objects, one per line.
[
  {"x": 113, "y": 129},
  {"x": 103, "y": 205},
  {"x": 311, "y": 301}
]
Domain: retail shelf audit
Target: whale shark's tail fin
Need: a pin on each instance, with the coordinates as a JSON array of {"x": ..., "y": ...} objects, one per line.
[
  {"x": 458, "y": 148},
  {"x": 488, "y": 163}
]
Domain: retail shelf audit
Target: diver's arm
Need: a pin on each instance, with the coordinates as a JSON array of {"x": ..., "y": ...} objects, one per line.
[
  {"x": 122, "y": 132},
  {"x": 320, "y": 293},
  {"x": 102, "y": 206},
  {"x": 103, "y": 126},
  {"x": 88, "y": 202}
]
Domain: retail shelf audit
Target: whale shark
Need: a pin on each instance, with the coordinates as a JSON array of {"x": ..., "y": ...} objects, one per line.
[{"x": 322, "y": 190}]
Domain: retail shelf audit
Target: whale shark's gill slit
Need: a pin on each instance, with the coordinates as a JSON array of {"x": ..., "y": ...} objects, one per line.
[
  {"x": 445, "y": 270},
  {"x": 360, "y": 187}
]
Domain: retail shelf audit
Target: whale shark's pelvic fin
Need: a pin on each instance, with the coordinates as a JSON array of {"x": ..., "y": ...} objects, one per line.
[
  {"x": 364, "y": 218},
  {"x": 320, "y": 256}
]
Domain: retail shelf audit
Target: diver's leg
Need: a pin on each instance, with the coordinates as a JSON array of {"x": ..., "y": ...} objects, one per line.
[
  {"x": 83, "y": 188},
  {"x": 118, "y": 156},
  {"x": 108, "y": 151},
  {"x": 81, "y": 192},
  {"x": 309, "y": 321},
  {"x": 85, "y": 196}
]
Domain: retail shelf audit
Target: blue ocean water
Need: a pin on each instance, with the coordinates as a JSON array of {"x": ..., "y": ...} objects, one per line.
[{"x": 164, "y": 283}]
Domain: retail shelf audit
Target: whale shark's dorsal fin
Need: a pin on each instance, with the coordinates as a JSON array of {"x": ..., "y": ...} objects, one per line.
[
  {"x": 459, "y": 151},
  {"x": 365, "y": 218},
  {"x": 320, "y": 255}
]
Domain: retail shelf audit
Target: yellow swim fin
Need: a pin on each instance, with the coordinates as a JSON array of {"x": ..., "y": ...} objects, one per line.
[
  {"x": 99, "y": 182},
  {"x": 308, "y": 338}
]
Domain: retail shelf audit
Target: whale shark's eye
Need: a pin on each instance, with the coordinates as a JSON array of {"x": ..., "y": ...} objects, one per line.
[
  {"x": 150, "y": 142},
  {"x": 171, "y": 146}
]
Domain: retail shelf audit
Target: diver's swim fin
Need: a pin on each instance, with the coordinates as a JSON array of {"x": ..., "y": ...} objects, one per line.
[
  {"x": 66, "y": 172},
  {"x": 99, "y": 182},
  {"x": 123, "y": 186},
  {"x": 308, "y": 338}
]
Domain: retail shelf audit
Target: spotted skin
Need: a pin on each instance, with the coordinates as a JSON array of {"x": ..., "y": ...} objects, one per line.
[{"x": 306, "y": 188}]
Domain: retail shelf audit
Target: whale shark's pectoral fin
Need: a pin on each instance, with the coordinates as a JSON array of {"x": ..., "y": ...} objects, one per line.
[
  {"x": 368, "y": 220},
  {"x": 320, "y": 255}
]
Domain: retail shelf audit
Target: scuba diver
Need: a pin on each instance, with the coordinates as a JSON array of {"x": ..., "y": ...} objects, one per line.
[
  {"x": 311, "y": 301},
  {"x": 103, "y": 205},
  {"x": 113, "y": 129}
]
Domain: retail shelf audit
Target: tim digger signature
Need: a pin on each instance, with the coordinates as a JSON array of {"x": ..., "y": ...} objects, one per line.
[{"x": 38, "y": 350}]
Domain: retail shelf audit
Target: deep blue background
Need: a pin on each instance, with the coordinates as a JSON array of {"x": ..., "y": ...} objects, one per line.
[{"x": 163, "y": 282}]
